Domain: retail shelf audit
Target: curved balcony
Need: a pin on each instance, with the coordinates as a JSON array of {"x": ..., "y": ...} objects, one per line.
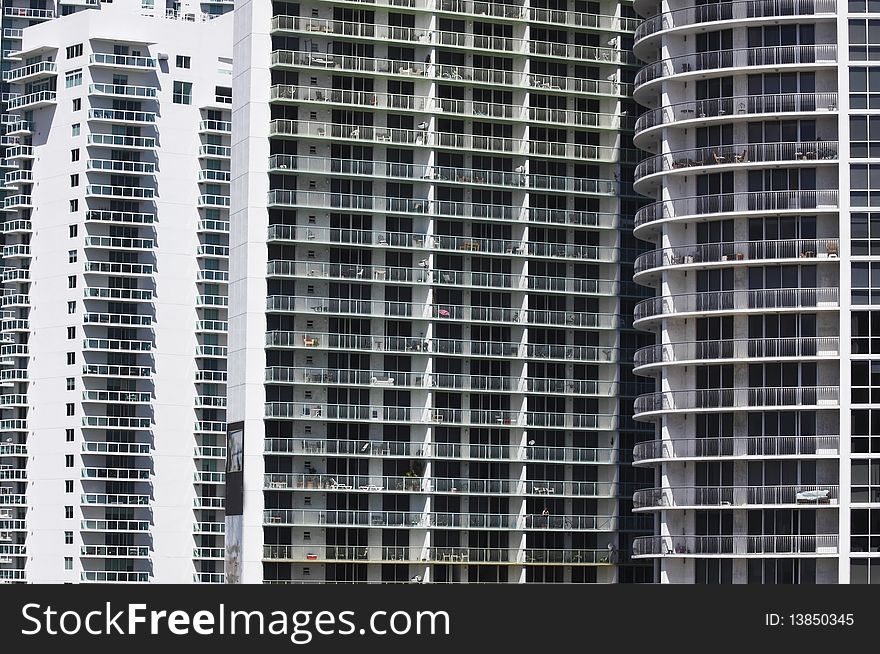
[
  {"x": 736, "y": 156},
  {"x": 695, "y": 65},
  {"x": 649, "y": 265},
  {"x": 650, "y": 359},
  {"x": 647, "y": 34},
  {"x": 653, "y": 405},
  {"x": 698, "y": 113},
  {"x": 648, "y": 218},
  {"x": 735, "y": 301},
  {"x": 695, "y": 497},
  {"x": 812, "y": 545},
  {"x": 730, "y": 447}
]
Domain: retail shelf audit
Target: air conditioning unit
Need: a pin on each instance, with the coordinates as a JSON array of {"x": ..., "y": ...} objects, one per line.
[{"x": 162, "y": 56}]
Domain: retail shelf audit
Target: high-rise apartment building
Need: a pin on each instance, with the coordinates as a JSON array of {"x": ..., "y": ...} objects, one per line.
[
  {"x": 115, "y": 246},
  {"x": 429, "y": 352},
  {"x": 763, "y": 273}
]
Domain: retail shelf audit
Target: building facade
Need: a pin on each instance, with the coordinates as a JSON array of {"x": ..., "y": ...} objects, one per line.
[
  {"x": 431, "y": 201},
  {"x": 115, "y": 245},
  {"x": 761, "y": 271}
]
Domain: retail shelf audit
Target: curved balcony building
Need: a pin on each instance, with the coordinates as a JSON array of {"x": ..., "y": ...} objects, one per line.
[{"x": 749, "y": 233}]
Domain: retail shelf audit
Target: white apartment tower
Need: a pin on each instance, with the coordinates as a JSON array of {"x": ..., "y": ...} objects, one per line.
[
  {"x": 115, "y": 246},
  {"x": 429, "y": 219},
  {"x": 758, "y": 122}
]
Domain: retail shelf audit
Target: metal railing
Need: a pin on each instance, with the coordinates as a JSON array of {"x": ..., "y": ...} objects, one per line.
[
  {"x": 779, "y": 55},
  {"x": 738, "y": 105},
  {"x": 738, "y": 349},
  {"x": 718, "y": 496},
  {"x": 737, "y": 398},
  {"x": 785, "y": 545},
  {"x": 693, "y": 16},
  {"x": 731, "y": 446},
  {"x": 737, "y": 300}
]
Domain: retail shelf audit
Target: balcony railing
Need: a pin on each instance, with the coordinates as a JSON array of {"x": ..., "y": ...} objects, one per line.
[
  {"x": 103, "y": 577},
  {"x": 743, "y": 153},
  {"x": 127, "y": 90},
  {"x": 739, "y": 105},
  {"x": 315, "y": 61},
  {"x": 757, "y": 446},
  {"x": 737, "y": 398},
  {"x": 815, "y": 544},
  {"x": 377, "y": 483},
  {"x": 808, "y": 495},
  {"x": 738, "y": 349},
  {"x": 758, "y": 201},
  {"x": 421, "y": 449},
  {"x": 780, "y": 55},
  {"x": 767, "y": 299},
  {"x": 446, "y": 346},
  {"x": 738, "y": 251},
  {"x": 692, "y": 16},
  {"x": 371, "y": 413},
  {"x": 448, "y": 312}
]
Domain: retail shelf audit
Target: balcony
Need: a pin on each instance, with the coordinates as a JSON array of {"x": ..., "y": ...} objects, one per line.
[
  {"x": 732, "y": 12},
  {"x": 421, "y": 449},
  {"x": 797, "y": 496},
  {"x": 31, "y": 101},
  {"x": 135, "y": 526},
  {"x": 125, "y": 217},
  {"x": 30, "y": 14},
  {"x": 30, "y": 72},
  {"x": 117, "y": 397},
  {"x": 476, "y": 417},
  {"x": 756, "y": 300},
  {"x": 122, "y": 116},
  {"x": 122, "y": 61},
  {"x": 444, "y": 312},
  {"x": 209, "y": 527},
  {"x": 450, "y": 73},
  {"x": 123, "y": 90},
  {"x": 114, "y": 345},
  {"x": 114, "y": 552},
  {"x": 116, "y": 422},
  {"x": 115, "y": 141},
  {"x": 219, "y": 151},
  {"x": 131, "y": 294},
  {"x": 701, "y": 254},
  {"x": 733, "y": 399},
  {"x": 434, "y": 520},
  {"x": 737, "y": 107},
  {"x": 762, "y": 447},
  {"x": 104, "y": 499},
  {"x": 117, "y": 166},
  {"x": 215, "y": 553},
  {"x": 758, "y": 203},
  {"x": 112, "y": 268},
  {"x": 107, "y": 577},
  {"x": 92, "y": 370},
  {"x": 736, "y": 156},
  {"x": 209, "y": 578},
  {"x": 446, "y": 346},
  {"x": 733, "y": 546},
  {"x": 735, "y": 350},
  {"x": 120, "y": 192},
  {"x": 209, "y": 477},
  {"x": 689, "y": 66},
  {"x": 129, "y": 474},
  {"x": 129, "y": 449}
]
